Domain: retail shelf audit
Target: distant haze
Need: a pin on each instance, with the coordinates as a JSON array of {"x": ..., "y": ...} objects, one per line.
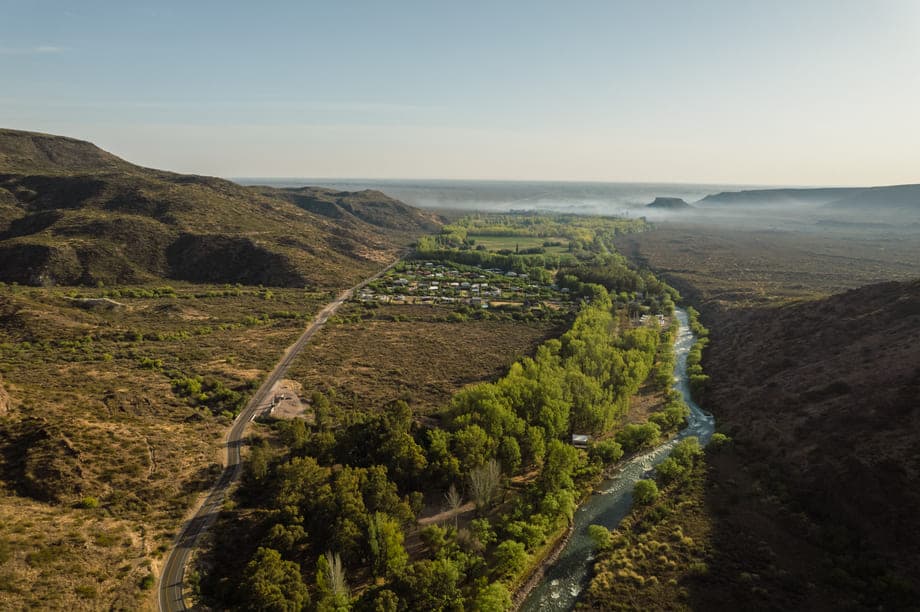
[
  {"x": 500, "y": 196},
  {"x": 823, "y": 92}
]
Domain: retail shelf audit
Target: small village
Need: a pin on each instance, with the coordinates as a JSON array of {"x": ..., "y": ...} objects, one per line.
[
  {"x": 446, "y": 283},
  {"x": 429, "y": 282}
]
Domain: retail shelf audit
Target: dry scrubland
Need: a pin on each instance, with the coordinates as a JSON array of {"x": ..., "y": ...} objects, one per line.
[
  {"x": 814, "y": 503},
  {"x": 370, "y": 356},
  {"x": 743, "y": 267},
  {"x": 101, "y": 454}
]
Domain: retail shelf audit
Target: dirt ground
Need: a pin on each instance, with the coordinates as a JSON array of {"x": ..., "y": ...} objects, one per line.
[{"x": 287, "y": 402}]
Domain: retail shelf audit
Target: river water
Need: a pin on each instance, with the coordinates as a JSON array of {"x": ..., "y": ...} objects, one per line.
[{"x": 565, "y": 579}]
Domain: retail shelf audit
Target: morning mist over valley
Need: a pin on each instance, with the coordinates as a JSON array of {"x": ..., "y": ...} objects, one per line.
[{"x": 395, "y": 307}]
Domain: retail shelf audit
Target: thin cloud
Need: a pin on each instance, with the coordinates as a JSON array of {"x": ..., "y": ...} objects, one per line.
[{"x": 36, "y": 50}]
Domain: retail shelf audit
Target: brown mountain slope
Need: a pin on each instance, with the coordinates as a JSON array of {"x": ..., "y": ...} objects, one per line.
[
  {"x": 36, "y": 153},
  {"x": 823, "y": 401},
  {"x": 353, "y": 207},
  {"x": 71, "y": 213}
]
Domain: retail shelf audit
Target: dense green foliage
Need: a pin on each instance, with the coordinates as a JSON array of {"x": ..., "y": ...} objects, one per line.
[
  {"x": 698, "y": 380},
  {"x": 211, "y": 393},
  {"x": 351, "y": 484},
  {"x": 645, "y": 492}
]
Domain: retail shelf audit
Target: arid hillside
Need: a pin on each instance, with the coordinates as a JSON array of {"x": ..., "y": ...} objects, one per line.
[
  {"x": 71, "y": 213},
  {"x": 815, "y": 375},
  {"x": 825, "y": 395}
]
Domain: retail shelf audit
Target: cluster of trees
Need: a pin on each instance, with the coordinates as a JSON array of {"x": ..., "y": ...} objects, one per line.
[
  {"x": 137, "y": 292},
  {"x": 338, "y": 497},
  {"x": 680, "y": 462},
  {"x": 341, "y": 496},
  {"x": 535, "y": 265},
  {"x": 698, "y": 380},
  {"x": 206, "y": 391},
  {"x": 545, "y": 225},
  {"x": 590, "y": 258},
  {"x": 580, "y": 383}
]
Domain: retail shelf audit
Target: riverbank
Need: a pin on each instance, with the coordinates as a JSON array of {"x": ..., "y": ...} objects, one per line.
[{"x": 565, "y": 572}]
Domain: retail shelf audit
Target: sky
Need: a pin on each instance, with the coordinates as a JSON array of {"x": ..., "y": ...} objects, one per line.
[{"x": 767, "y": 93}]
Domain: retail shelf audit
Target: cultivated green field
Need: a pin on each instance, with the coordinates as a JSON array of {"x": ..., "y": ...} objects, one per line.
[{"x": 556, "y": 246}]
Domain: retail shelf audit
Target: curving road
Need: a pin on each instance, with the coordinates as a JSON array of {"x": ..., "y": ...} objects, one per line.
[{"x": 171, "y": 592}]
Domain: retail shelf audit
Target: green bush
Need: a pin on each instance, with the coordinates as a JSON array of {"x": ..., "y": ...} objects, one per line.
[
  {"x": 669, "y": 471},
  {"x": 147, "y": 582},
  {"x": 645, "y": 492},
  {"x": 718, "y": 441},
  {"x": 89, "y": 503},
  {"x": 600, "y": 536},
  {"x": 635, "y": 437},
  {"x": 606, "y": 451}
]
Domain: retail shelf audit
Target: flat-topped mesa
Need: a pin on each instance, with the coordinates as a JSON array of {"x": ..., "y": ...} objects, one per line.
[{"x": 669, "y": 204}]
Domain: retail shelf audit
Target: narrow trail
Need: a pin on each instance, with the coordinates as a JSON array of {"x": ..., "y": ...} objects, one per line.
[{"x": 171, "y": 591}]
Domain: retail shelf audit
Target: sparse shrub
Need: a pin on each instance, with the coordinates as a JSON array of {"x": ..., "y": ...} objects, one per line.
[
  {"x": 147, "y": 582},
  {"x": 88, "y": 503},
  {"x": 718, "y": 441}
]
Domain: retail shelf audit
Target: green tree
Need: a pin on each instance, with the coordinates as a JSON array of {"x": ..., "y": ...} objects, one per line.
[
  {"x": 289, "y": 539},
  {"x": 431, "y": 585},
  {"x": 509, "y": 455},
  {"x": 473, "y": 446},
  {"x": 686, "y": 451},
  {"x": 509, "y": 558},
  {"x": 606, "y": 451},
  {"x": 330, "y": 584},
  {"x": 645, "y": 492},
  {"x": 273, "y": 584},
  {"x": 493, "y": 597},
  {"x": 600, "y": 536},
  {"x": 635, "y": 437},
  {"x": 385, "y": 538},
  {"x": 670, "y": 470},
  {"x": 559, "y": 466}
]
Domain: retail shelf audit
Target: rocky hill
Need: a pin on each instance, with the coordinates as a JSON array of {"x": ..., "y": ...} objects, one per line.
[
  {"x": 778, "y": 197},
  {"x": 890, "y": 199},
  {"x": 898, "y": 198},
  {"x": 354, "y": 207},
  {"x": 71, "y": 213}
]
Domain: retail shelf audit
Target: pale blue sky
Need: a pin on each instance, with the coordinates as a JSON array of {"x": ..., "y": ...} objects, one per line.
[{"x": 821, "y": 92}]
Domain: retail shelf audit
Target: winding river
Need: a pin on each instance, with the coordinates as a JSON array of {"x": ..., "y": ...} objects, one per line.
[{"x": 564, "y": 579}]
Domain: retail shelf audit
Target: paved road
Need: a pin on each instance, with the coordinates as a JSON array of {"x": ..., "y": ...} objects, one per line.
[{"x": 172, "y": 579}]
